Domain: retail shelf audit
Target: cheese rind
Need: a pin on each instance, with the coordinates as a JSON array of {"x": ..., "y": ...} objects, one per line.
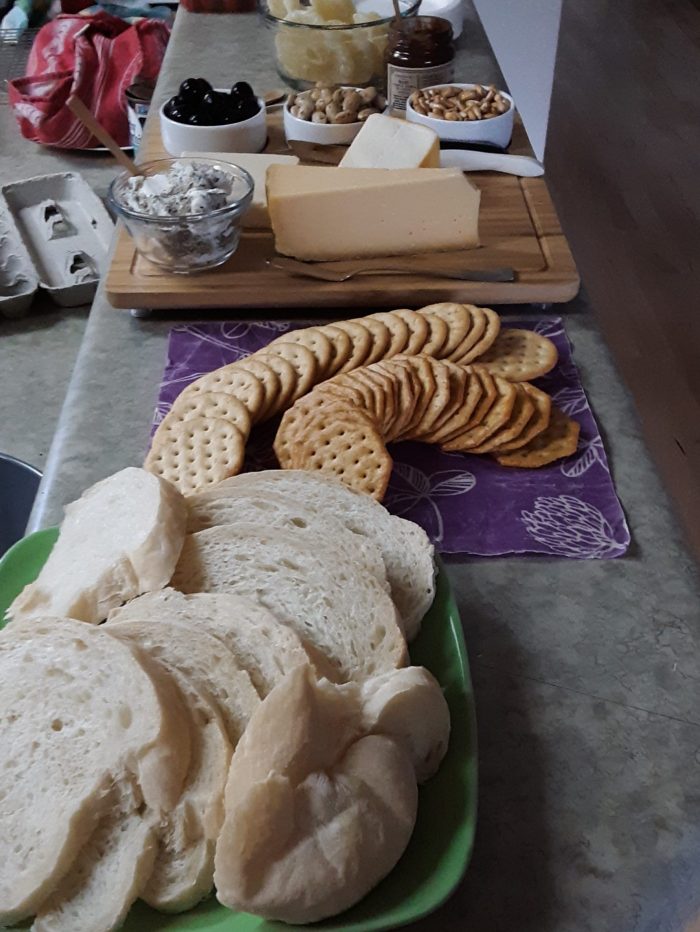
[
  {"x": 385, "y": 142},
  {"x": 347, "y": 213},
  {"x": 257, "y": 216}
]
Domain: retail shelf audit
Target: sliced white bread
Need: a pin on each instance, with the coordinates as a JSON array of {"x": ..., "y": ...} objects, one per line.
[
  {"x": 221, "y": 699},
  {"x": 79, "y": 711},
  {"x": 109, "y": 872},
  {"x": 275, "y": 509},
  {"x": 183, "y": 872},
  {"x": 316, "y": 815},
  {"x": 203, "y": 659},
  {"x": 407, "y": 552},
  {"x": 344, "y": 617},
  {"x": 409, "y": 705},
  {"x": 121, "y": 538},
  {"x": 263, "y": 647}
]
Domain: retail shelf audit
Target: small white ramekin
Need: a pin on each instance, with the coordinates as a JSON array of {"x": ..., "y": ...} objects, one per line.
[
  {"x": 247, "y": 136},
  {"x": 495, "y": 131},
  {"x": 322, "y": 134}
]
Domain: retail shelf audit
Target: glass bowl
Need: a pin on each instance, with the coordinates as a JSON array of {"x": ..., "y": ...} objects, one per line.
[
  {"x": 334, "y": 51},
  {"x": 191, "y": 242}
]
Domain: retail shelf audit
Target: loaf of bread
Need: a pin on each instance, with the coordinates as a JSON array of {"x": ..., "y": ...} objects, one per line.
[{"x": 120, "y": 538}]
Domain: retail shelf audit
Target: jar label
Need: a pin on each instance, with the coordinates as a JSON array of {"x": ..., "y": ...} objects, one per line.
[
  {"x": 402, "y": 82},
  {"x": 136, "y": 114}
]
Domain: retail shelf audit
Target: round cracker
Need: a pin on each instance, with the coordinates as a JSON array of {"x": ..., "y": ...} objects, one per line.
[
  {"x": 381, "y": 340},
  {"x": 459, "y": 419},
  {"x": 302, "y": 360},
  {"x": 523, "y": 409},
  {"x": 399, "y": 332},
  {"x": 342, "y": 348},
  {"x": 539, "y": 421},
  {"x": 213, "y": 404},
  {"x": 315, "y": 340},
  {"x": 520, "y": 355},
  {"x": 234, "y": 381},
  {"x": 458, "y": 321},
  {"x": 350, "y": 449},
  {"x": 493, "y": 328},
  {"x": 475, "y": 333},
  {"x": 419, "y": 330},
  {"x": 426, "y": 379},
  {"x": 560, "y": 439},
  {"x": 408, "y": 391},
  {"x": 196, "y": 453},
  {"x": 497, "y": 415},
  {"x": 440, "y": 397},
  {"x": 287, "y": 377},
  {"x": 438, "y": 335},
  {"x": 269, "y": 380},
  {"x": 361, "y": 343}
]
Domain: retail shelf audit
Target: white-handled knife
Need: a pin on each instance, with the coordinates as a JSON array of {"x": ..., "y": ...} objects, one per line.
[{"x": 471, "y": 160}]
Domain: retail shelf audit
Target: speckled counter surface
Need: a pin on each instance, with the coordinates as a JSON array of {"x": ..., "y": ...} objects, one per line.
[
  {"x": 587, "y": 674},
  {"x": 37, "y": 351}
]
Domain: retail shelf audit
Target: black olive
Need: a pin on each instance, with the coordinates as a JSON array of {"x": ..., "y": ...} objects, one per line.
[
  {"x": 193, "y": 89},
  {"x": 209, "y": 101},
  {"x": 242, "y": 90},
  {"x": 194, "y": 119},
  {"x": 248, "y": 110}
]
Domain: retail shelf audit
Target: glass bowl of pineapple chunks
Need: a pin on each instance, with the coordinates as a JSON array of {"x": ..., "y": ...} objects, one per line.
[{"x": 331, "y": 41}]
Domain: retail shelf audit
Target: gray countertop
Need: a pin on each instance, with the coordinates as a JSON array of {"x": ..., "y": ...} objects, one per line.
[
  {"x": 586, "y": 673},
  {"x": 42, "y": 345}
]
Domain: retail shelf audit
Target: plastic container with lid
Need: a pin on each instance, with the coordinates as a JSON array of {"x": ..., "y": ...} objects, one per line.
[{"x": 420, "y": 53}]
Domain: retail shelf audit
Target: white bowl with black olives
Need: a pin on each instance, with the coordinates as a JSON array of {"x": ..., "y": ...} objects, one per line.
[{"x": 330, "y": 115}]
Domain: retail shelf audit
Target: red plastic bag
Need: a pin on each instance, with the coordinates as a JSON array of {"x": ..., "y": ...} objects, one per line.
[{"x": 97, "y": 58}]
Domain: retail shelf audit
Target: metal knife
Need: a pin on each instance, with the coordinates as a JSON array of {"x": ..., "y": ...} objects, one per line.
[{"x": 342, "y": 271}]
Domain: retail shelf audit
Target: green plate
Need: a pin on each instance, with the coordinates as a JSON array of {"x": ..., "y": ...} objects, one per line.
[{"x": 439, "y": 851}]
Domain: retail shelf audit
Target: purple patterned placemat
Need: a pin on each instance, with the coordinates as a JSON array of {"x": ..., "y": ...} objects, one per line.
[{"x": 467, "y": 504}]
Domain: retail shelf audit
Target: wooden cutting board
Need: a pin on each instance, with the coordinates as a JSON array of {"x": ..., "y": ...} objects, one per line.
[{"x": 518, "y": 227}]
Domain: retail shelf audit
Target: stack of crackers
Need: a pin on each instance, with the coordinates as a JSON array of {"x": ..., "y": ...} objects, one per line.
[{"x": 444, "y": 374}]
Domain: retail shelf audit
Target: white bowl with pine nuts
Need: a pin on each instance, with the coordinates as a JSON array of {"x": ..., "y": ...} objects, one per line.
[
  {"x": 340, "y": 117},
  {"x": 482, "y": 114}
]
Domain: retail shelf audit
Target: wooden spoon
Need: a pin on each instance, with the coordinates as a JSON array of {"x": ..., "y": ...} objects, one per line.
[{"x": 76, "y": 106}]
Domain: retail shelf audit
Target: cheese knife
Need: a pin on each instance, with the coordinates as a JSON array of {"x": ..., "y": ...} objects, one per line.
[
  {"x": 469, "y": 160},
  {"x": 342, "y": 271}
]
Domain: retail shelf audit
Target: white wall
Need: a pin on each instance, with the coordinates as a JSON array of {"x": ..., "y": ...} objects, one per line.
[{"x": 523, "y": 34}]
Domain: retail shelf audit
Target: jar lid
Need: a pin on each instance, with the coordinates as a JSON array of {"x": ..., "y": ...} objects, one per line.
[{"x": 421, "y": 27}]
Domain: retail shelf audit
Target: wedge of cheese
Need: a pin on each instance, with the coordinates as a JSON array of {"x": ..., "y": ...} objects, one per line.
[
  {"x": 257, "y": 216},
  {"x": 384, "y": 142},
  {"x": 347, "y": 213}
]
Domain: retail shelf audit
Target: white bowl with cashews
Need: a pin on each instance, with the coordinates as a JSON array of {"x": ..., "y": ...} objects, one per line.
[
  {"x": 475, "y": 113},
  {"x": 330, "y": 115}
]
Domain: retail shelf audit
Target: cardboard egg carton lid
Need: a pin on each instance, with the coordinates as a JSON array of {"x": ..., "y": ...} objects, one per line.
[{"x": 64, "y": 234}]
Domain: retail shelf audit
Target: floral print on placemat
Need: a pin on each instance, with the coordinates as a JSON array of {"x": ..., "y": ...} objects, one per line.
[{"x": 467, "y": 504}]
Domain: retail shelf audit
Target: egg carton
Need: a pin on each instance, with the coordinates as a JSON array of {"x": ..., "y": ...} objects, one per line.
[{"x": 55, "y": 234}]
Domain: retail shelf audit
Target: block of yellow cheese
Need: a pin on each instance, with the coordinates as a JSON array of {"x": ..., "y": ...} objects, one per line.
[
  {"x": 256, "y": 217},
  {"x": 346, "y": 213},
  {"x": 385, "y": 142}
]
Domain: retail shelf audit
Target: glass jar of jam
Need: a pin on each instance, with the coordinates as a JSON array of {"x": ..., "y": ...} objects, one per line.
[{"x": 420, "y": 52}]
